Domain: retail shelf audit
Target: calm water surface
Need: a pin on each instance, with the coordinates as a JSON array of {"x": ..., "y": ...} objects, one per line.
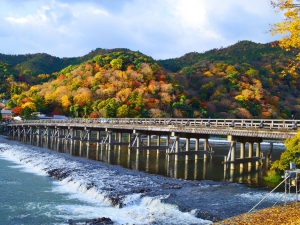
[{"x": 156, "y": 162}]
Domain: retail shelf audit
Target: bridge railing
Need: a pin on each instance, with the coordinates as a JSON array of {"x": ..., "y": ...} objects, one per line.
[{"x": 192, "y": 122}]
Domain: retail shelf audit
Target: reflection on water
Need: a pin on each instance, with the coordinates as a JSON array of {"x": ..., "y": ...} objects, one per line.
[{"x": 158, "y": 162}]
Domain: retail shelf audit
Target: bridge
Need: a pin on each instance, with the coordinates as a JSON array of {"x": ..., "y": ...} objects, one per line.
[{"x": 139, "y": 132}]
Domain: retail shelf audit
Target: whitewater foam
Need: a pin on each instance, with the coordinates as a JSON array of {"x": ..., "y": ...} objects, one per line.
[{"x": 95, "y": 184}]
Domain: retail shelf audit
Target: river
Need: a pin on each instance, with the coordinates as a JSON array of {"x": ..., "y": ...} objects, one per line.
[{"x": 151, "y": 191}]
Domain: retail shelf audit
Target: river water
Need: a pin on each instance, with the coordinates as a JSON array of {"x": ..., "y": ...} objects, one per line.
[{"x": 30, "y": 196}]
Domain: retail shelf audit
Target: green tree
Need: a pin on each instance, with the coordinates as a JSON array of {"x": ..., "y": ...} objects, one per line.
[
  {"x": 26, "y": 113},
  {"x": 122, "y": 111},
  {"x": 10, "y": 104},
  {"x": 116, "y": 64},
  {"x": 74, "y": 110},
  {"x": 110, "y": 109}
]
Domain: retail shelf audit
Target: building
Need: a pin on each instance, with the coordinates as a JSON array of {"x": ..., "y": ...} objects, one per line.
[
  {"x": 7, "y": 114},
  {"x": 60, "y": 117}
]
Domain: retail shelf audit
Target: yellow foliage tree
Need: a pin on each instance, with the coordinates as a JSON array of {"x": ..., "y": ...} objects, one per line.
[
  {"x": 83, "y": 98},
  {"x": 29, "y": 105},
  {"x": 289, "y": 27},
  {"x": 65, "y": 102}
]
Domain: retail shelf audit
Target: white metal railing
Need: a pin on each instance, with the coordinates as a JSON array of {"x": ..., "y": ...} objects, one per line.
[{"x": 191, "y": 122}]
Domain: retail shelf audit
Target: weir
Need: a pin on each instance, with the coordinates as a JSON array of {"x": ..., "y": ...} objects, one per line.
[{"x": 138, "y": 134}]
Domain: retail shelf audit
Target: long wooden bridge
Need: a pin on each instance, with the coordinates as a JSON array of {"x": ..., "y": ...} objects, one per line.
[{"x": 112, "y": 131}]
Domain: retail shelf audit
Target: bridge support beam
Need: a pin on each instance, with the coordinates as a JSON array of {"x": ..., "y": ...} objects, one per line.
[
  {"x": 258, "y": 152},
  {"x": 250, "y": 155},
  {"x": 187, "y": 147},
  {"x": 168, "y": 144},
  {"x": 88, "y": 143},
  {"x": 148, "y": 140},
  {"x": 232, "y": 156},
  {"x": 176, "y": 147},
  {"x": 206, "y": 144},
  {"x": 109, "y": 134},
  {"x": 242, "y": 154},
  {"x": 196, "y": 147}
]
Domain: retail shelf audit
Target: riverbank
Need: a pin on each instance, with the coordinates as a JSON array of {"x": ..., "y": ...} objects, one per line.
[{"x": 279, "y": 214}]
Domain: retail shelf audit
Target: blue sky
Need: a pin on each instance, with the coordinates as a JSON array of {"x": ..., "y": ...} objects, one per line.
[{"x": 159, "y": 28}]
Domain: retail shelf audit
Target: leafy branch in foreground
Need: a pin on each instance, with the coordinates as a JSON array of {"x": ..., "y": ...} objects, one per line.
[{"x": 289, "y": 27}]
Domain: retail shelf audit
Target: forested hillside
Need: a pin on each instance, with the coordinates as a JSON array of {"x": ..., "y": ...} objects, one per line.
[{"x": 245, "y": 80}]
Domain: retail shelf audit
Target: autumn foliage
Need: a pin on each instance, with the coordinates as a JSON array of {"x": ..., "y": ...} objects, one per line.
[
  {"x": 241, "y": 81},
  {"x": 281, "y": 214}
]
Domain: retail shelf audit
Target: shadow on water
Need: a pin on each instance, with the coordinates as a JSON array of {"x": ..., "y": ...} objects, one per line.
[{"x": 160, "y": 163}]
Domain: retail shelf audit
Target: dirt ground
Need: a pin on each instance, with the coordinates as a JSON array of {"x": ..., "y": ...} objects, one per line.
[{"x": 280, "y": 214}]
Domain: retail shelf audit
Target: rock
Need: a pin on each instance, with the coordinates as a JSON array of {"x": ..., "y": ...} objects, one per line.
[
  {"x": 206, "y": 216},
  {"x": 58, "y": 174},
  {"x": 99, "y": 221},
  {"x": 143, "y": 190},
  {"x": 176, "y": 187},
  {"x": 116, "y": 201}
]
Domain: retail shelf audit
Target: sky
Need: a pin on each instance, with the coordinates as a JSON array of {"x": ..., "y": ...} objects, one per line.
[{"x": 161, "y": 29}]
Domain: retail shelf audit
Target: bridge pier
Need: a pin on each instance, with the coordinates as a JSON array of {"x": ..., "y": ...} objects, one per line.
[
  {"x": 148, "y": 140},
  {"x": 167, "y": 144},
  {"x": 242, "y": 159},
  {"x": 81, "y": 143},
  {"x": 206, "y": 143},
  {"x": 250, "y": 155},
  {"x": 109, "y": 136},
  {"x": 30, "y": 135},
  {"x": 232, "y": 157},
  {"x": 176, "y": 147},
  {"x": 242, "y": 153},
  {"x": 158, "y": 140},
  {"x": 38, "y": 136},
  {"x": 72, "y": 141},
  {"x": 258, "y": 153},
  {"x": 196, "y": 147},
  {"x": 88, "y": 143},
  {"x": 138, "y": 143},
  {"x": 187, "y": 147}
]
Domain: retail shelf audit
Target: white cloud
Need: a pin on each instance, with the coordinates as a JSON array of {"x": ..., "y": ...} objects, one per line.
[{"x": 161, "y": 29}]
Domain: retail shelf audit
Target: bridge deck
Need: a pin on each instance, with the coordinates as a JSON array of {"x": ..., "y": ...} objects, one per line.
[{"x": 271, "y": 129}]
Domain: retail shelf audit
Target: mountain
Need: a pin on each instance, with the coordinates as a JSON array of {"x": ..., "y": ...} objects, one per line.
[
  {"x": 42, "y": 63},
  {"x": 245, "y": 80},
  {"x": 241, "y": 52}
]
